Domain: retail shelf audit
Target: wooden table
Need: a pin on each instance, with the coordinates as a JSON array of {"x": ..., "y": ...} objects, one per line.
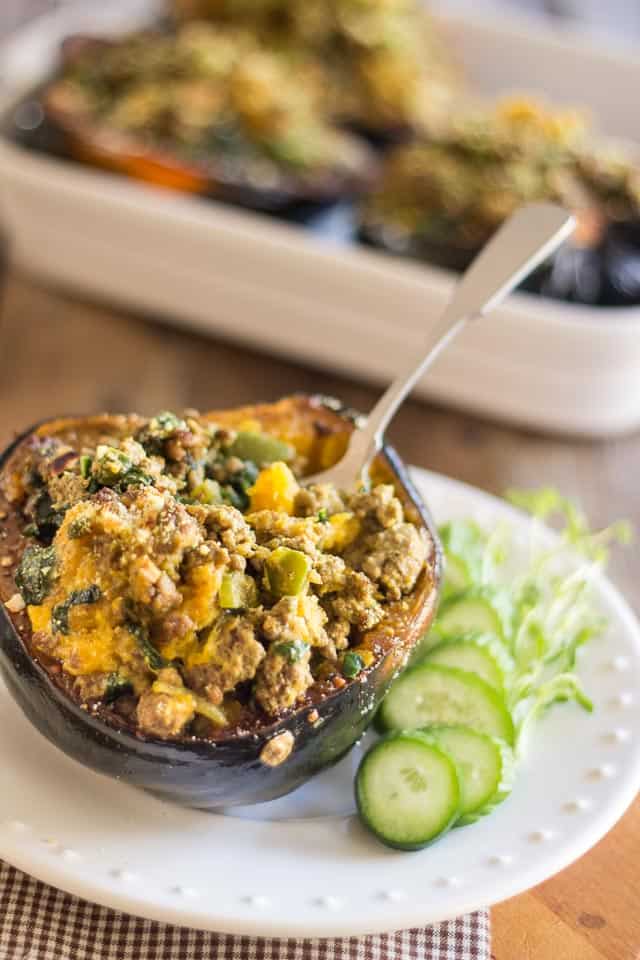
[{"x": 63, "y": 356}]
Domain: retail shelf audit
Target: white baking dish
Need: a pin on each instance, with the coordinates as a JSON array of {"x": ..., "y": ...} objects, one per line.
[{"x": 226, "y": 272}]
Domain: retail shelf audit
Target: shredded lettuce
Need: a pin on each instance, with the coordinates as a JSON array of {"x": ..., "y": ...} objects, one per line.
[{"x": 547, "y": 607}]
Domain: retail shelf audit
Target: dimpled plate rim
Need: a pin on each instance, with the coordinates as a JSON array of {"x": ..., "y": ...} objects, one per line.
[{"x": 303, "y": 866}]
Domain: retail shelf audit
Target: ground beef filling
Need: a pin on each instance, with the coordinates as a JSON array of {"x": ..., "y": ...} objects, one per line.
[{"x": 183, "y": 575}]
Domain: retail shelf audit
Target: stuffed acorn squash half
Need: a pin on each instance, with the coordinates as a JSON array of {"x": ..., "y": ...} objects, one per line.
[
  {"x": 204, "y": 110},
  {"x": 182, "y": 613}
]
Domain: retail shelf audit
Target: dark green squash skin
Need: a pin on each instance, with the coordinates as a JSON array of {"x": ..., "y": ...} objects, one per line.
[{"x": 201, "y": 773}]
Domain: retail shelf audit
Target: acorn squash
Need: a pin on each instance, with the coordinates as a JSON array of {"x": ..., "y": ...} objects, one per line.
[
  {"x": 266, "y": 757},
  {"x": 198, "y": 134}
]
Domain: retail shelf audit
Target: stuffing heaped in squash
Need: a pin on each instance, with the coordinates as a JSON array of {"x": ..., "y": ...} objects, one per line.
[
  {"x": 180, "y": 568},
  {"x": 159, "y": 631}
]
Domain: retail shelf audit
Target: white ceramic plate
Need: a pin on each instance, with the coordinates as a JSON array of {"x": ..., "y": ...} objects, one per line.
[{"x": 303, "y": 865}]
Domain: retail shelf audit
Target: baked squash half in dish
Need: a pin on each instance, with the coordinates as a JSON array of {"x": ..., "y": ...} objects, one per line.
[
  {"x": 441, "y": 200},
  {"x": 204, "y": 110},
  {"x": 180, "y": 612}
]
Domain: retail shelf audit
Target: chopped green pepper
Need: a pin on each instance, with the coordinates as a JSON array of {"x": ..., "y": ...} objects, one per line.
[
  {"x": 200, "y": 704},
  {"x": 287, "y": 571},
  {"x": 85, "y": 465},
  {"x": 291, "y": 650},
  {"x": 323, "y": 515},
  {"x": 35, "y": 573},
  {"x": 207, "y": 492},
  {"x": 352, "y": 664},
  {"x": 237, "y": 591},
  {"x": 260, "y": 448},
  {"x": 210, "y": 711}
]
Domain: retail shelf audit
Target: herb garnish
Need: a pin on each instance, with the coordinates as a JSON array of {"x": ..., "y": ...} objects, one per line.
[{"x": 546, "y": 612}]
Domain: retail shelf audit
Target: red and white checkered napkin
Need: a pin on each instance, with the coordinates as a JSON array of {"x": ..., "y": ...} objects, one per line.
[{"x": 38, "y": 922}]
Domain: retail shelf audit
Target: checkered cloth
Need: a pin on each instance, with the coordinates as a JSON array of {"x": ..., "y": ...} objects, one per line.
[{"x": 38, "y": 922}]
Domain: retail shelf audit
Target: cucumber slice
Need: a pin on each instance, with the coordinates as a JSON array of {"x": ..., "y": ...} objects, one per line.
[
  {"x": 457, "y": 576},
  {"x": 407, "y": 790},
  {"x": 485, "y": 768},
  {"x": 431, "y": 694},
  {"x": 465, "y": 541},
  {"x": 426, "y": 643},
  {"x": 483, "y": 655},
  {"x": 471, "y": 612}
]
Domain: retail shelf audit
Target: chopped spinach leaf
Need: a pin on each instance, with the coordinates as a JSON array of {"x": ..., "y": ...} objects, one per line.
[
  {"x": 235, "y": 491},
  {"x": 154, "y": 659},
  {"x": 110, "y": 465},
  {"x": 60, "y": 614},
  {"x": 45, "y": 518},
  {"x": 248, "y": 476},
  {"x": 159, "y": 429},
  {"x": 60, "y": 618},
  {"x": 35, "y": 573},
  {"x": 231, "y": 496},
  {"x": 135, "y": 477},
  {"x": 113, "y": 468},
  {"x": 116, "y": 687},
  {"x": 86, "y": 595}
]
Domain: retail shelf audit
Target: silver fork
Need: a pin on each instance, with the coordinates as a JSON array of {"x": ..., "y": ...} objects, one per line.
[{"x": 527, "y": 238}]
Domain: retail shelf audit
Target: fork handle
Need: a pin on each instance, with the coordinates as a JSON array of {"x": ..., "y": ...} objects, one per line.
[{"x": 524, "y": 241}]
